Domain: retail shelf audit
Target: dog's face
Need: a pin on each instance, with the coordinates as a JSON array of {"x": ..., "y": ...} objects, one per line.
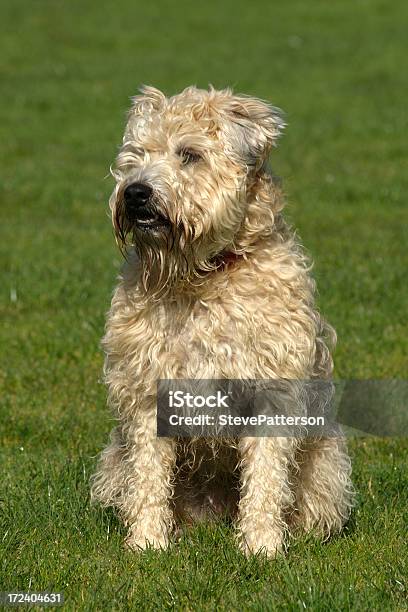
[{"x": 184, "y": 171}]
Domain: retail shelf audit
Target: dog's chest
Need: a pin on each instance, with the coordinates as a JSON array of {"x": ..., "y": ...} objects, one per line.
[
  {"x": 240, "y": 329},
  {"x": 205, "y": 338}
]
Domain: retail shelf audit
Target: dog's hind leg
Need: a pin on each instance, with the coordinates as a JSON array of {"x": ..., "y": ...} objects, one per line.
[
  {"x": 108, "y": 481},
  {"x": 323, "y": 489}
]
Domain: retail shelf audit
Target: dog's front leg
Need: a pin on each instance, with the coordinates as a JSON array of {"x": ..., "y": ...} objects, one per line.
[
  {"x": 149, "y": 466},
  {"x": 265, "y": 493}
]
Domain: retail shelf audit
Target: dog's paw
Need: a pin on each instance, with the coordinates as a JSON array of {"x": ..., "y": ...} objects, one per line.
[
  {"x": 138, "y": 541},
  {"x": 266, "y": 542}
]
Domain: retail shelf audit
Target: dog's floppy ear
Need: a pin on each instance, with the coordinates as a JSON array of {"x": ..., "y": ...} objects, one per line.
[
  {"x": 257, "y": 125},
  {"x": 149, "y": 99}
]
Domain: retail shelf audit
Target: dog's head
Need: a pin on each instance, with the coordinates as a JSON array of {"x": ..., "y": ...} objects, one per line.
[{"x": 187, "y": 173}]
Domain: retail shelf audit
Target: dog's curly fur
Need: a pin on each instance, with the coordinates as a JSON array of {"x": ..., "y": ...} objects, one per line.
[{"x": 184, "y": 308}]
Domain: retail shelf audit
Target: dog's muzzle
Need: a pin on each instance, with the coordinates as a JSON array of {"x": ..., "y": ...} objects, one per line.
[{"x": 140, "y": 207}]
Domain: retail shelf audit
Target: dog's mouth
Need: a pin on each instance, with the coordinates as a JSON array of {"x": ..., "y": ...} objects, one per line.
[{"x": 149, "y": 219}]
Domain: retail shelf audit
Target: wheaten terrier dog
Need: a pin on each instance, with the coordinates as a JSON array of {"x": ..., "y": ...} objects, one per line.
[{"x": 215, "y": 286}]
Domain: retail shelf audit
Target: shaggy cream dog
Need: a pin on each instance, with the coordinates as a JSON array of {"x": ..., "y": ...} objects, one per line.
[{"x": 215, "y": 285}]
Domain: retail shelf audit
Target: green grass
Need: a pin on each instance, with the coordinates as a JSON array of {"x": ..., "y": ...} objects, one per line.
[{"x": 68, "y": 68}]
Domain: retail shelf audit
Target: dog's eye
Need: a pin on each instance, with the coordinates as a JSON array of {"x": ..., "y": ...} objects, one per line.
[{"x": 188, "y": 156}]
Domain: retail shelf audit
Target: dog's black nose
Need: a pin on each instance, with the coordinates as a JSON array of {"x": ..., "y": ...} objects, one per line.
[{"x": 137, "y": 194}]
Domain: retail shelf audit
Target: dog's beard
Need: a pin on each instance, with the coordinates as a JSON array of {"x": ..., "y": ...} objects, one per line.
[
  {"x": 162, "y": 260},
  {"x": 164, "y": 252}
]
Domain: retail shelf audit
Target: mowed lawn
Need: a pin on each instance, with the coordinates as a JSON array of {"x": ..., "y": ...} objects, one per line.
[{"x": 67, "y": 68}]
